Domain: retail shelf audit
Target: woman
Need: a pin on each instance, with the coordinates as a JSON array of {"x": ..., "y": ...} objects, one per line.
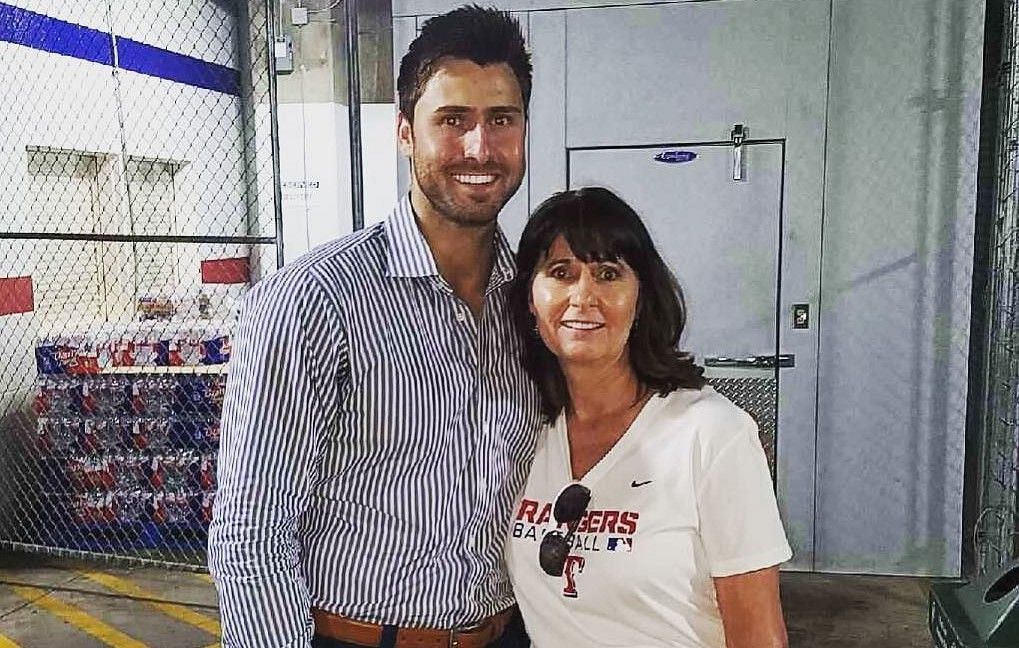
[{"x": 663, "y": 527}]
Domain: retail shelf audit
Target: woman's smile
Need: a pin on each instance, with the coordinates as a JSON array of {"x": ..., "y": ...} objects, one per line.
[{"x": 581, "y": 325}]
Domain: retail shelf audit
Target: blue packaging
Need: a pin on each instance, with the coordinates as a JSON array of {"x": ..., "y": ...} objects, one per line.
[
  {"x": 216, "y": 350},
  {"x": 46, "y": 359}
]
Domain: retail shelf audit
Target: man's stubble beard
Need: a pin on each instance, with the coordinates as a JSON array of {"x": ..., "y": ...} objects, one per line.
[{"x": 476, "y": 215}]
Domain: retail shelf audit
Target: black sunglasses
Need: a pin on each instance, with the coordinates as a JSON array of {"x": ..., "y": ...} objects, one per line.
[{"x": 569, "y": 508}]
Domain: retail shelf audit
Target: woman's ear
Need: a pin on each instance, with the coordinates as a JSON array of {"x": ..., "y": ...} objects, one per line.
[{"x": 638, "y": 307}]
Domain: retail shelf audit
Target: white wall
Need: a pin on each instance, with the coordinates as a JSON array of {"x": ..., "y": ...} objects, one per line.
[
  {"x": 315, "y": 171},
  {"x": 57, "y": 101}
]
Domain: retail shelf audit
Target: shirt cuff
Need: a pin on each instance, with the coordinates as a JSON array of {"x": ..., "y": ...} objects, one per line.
[{"x": 745, "y": 564}]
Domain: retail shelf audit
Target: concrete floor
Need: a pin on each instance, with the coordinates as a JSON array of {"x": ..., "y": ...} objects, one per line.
[
  {"x": 847, "y": 611},
  {"x": 48, "y": 603}
]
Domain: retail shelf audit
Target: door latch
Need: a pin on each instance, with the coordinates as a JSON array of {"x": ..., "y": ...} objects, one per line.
[
  {"x": 764, "y": 361},
  {"x": 738, "y": 136}
]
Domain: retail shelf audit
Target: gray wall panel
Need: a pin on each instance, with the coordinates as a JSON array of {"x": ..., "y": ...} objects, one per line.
[
  {"x": 688, "y": 70},
  {"x": 897, "y": 252},
  {"x": 806, "y": 62},
  {"x": 546, "y": 140}
]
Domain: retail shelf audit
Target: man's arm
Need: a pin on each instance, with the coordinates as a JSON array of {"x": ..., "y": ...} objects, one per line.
[
  {"x": 280, "y": 398},
  {"x": 751, "y": 609}
]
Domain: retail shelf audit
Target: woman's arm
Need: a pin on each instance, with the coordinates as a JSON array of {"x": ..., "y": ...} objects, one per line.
[{"x": 751, "y": 609}]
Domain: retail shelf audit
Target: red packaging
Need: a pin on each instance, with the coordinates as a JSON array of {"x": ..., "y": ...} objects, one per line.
[
  {"x": 89, "y": 439},
  {"x": 43, "y": 400},
  {"x": 95, "y": 508},
  {"x": 91, "y": 473},
  {"x": 88, "y": 360},
  {"x": 123, "y": 353},
  {"x": 205, "y": 509},
  {"x": 207, "y": 472},
  {"x": 154, "y": 473},
  {"x": 88, "y": 399}
]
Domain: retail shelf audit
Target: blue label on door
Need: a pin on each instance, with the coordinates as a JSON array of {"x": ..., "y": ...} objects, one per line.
[{"x": 675, "y": 157}]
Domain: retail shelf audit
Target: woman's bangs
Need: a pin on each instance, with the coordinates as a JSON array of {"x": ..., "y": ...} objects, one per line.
[{"x": 597, "y": 237}]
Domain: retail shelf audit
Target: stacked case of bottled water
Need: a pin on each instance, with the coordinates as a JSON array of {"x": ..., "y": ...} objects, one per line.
[{"x": 128, "y": 428}]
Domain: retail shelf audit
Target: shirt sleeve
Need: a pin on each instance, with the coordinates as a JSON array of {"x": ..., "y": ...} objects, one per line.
[
  {"x": 739, "y": 520},
  {"x": 280, "y": 398}
]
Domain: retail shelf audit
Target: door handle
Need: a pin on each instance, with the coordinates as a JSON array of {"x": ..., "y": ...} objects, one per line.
[
  {"x": 738, "y": 135},
  {"x": 763, "y": 361}
]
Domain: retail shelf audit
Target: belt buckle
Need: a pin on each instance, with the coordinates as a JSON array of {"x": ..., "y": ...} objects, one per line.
[{"x": 454, "y": 639}]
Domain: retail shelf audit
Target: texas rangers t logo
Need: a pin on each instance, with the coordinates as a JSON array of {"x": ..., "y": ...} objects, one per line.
[{"x": 572, "y": 563}]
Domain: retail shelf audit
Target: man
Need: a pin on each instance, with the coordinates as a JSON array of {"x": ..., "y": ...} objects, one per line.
[{"x": 377, "y": 423}]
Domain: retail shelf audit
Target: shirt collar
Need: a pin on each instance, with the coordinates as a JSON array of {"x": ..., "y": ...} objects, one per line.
[
  {"x": 408, "y": 254},
  {"x": 505, "y": 265}
]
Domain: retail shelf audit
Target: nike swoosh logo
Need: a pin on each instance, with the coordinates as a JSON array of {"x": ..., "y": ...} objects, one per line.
[{"x": 637, "y": 484}]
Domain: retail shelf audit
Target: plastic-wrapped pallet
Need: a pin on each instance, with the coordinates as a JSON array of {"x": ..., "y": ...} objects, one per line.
[{"x": 128, "y": 428}]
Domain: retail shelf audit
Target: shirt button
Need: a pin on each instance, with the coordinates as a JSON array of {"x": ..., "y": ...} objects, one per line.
[{"x": 460, "y": 316}]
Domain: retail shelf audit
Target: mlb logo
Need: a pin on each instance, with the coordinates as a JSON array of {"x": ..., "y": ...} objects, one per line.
[{"x": 620, "y": 544}]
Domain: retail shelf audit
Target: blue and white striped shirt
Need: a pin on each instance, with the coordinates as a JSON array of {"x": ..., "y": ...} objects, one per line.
[{"x": 374, "y": 437}]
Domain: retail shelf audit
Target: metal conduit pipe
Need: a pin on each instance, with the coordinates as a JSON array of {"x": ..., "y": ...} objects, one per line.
[{"x": 354, "y": 114}]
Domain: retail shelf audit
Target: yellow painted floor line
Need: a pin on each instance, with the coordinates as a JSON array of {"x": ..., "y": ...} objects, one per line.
[
  {"x": 7, "y": 643},
  {"x": 179, "y": 612},
  {"x": 76, "y": 617}
]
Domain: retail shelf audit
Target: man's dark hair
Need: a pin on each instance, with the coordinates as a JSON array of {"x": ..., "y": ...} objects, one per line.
[
  {"x": 481, "y": 35},
  {"x": 598, "y": 225}
]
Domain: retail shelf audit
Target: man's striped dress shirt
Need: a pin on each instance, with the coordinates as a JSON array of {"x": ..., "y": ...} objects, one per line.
[{"x": 374, "y": 437}]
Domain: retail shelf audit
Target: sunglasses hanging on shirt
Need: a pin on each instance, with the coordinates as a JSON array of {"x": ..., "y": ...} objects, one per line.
[{"x": 569, "y": 509}]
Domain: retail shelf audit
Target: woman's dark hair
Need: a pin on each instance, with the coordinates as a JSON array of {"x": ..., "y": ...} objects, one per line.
[
  {"x": 481, "y": 35},
  {"x": 598, "y": 225}
]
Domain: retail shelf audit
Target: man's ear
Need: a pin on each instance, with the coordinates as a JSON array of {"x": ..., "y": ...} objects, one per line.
[{"x": 404, "y": 134}]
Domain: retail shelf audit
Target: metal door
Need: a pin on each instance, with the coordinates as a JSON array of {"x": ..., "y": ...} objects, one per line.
[{"x": 722, "y": 238}]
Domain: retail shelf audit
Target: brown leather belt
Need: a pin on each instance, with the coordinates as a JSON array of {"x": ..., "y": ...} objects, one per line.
[{"x": 362, "y": 633}]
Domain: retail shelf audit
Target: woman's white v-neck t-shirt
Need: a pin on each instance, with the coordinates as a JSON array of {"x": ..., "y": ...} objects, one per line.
[{"x": 684, "y": 495}]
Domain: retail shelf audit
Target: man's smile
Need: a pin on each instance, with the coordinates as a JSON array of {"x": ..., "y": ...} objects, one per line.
[{"x": 474, "y": 178}]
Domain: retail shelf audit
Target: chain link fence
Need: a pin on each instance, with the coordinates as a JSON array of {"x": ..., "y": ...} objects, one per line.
[
  {"x": 998, "y": 521},
  {"x": 139, "y": 193}
]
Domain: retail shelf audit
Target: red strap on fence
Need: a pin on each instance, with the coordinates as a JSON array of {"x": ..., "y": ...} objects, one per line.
[
  {"x": 16, "y": 295},
  {"x": 226, "y": 271}
]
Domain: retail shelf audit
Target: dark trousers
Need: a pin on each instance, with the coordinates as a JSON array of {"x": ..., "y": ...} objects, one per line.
[{"x": 513, "y": 637}]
